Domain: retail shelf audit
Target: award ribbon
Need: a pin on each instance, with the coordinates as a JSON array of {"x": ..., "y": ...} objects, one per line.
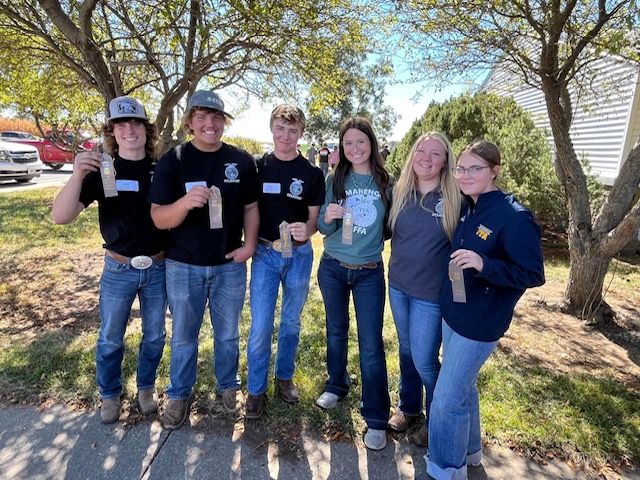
[
  {"x": 457, "y": 283},
  {"x": 347, "y": 227},
  {"x": 215, "y": 208},
  {"x": 108, "y": 174},
  {"x": 286, "y": 246}
]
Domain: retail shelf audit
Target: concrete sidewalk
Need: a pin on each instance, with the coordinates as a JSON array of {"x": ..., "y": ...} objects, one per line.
[{"x": 57, "y": 443}]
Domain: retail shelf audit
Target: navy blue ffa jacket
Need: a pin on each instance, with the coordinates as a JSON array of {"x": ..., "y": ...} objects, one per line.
[{"x": 506, "y": 236}]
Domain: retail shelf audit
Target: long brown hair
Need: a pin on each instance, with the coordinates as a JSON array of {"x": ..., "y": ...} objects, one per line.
[{"x": 344, "y": 167}]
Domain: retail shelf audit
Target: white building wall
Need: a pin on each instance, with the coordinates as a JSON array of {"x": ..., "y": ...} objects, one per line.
[{"x": 606, "y": 113}]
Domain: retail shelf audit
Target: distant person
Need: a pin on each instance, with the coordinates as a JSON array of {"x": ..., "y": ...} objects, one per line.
[
  {"x": 384, "y": 153},
  {"x": 424, "y": 214},
  {"x": 496, "y": 257},
  {"x": 311, "y": 154},
  {"x": 334, "y": 157},
  {"x": 134, "y": 261},
  {"x": 352, "y": 219},
  {"x": 323, "y": 159},
  {"x": 299, "y": 150},
  {"x": 291, "y": 191},
  {"x": 205, "y": 192}
]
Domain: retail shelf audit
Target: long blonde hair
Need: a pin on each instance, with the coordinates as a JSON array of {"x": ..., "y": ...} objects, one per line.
[{"x": 407, "y": 187}]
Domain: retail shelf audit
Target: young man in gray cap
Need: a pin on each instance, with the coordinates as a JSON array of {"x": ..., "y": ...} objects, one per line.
[
  {"x": 205, "y": 192},
  {"x": 134, "y": 248}
]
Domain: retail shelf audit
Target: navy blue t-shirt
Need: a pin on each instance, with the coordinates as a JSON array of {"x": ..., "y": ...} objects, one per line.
[{"x": 420, "y": 248}]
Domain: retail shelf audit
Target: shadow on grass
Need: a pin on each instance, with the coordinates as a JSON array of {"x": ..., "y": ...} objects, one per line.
[
  {"x": 53, "y": 366},
  {"x": 571, "y": 417}
]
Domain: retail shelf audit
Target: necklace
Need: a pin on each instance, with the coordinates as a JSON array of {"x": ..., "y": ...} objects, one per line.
[{"x": 364, "y": 185}]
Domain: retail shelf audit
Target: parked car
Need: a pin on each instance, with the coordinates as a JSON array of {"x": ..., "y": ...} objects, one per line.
[
  {"x": 51, "y": 155},
  {"x": 19, "y": 162},
  {"x": 17, "y": 136}
]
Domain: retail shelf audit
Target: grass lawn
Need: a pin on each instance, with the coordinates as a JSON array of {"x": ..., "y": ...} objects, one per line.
[{"x": 555, "y": 388}]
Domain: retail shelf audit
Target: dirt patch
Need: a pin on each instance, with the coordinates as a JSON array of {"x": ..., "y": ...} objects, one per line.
[
  {"x": 57, "y": 289},
  {"x": 543, "y": 336}
]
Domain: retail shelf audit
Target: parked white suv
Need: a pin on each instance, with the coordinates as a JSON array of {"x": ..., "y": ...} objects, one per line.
[{"x": 19, "y": 162}]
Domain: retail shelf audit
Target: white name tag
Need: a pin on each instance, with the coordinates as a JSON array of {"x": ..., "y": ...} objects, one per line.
[
  {"x": 189, "y": 185},
  {"x": 270, "y": 187},
  {"x": 127, "y": 186}
]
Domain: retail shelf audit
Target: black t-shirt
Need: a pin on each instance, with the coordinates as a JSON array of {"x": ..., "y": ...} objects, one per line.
[
  {"x": 324, "y": 155},
  {"x": 287, "y": 190},
  {"x": 233, "y": 171},
  {"x": 125, "y": 221}
]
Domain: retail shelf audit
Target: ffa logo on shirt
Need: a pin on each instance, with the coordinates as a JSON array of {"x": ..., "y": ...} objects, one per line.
[
  {"x": 231, "y": 172},
  {"x": 364, "y": 211},
  {"x": 439, "y": 209},
  {"x": 483, "y": 232},
  {"x": 295, "y": 188}
]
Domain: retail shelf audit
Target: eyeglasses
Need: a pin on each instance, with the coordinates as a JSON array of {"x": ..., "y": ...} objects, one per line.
[{"x": 473, "y": 170}]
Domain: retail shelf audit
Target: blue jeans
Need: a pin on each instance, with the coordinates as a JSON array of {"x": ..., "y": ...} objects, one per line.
[
  {"x": 368, "y": 287},
  {"x": 188, "y": 289},
  {"x": 268, "y": 270},
  {"x": 119, "y": 285},
  {"x": 419, "y": 327},
  {"x": 454, "y": 422}
]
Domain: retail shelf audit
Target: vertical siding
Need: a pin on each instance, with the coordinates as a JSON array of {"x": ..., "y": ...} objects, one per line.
[
  {"x": 606, "y": 113},
  {"x": 633, "y": 124}
]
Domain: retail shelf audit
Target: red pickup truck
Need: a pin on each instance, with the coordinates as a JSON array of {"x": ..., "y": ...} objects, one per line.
[{"x": 50, "y": 153}]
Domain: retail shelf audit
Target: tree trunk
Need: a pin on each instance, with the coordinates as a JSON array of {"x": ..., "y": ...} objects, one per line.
[{"x": 583, "y": 296}]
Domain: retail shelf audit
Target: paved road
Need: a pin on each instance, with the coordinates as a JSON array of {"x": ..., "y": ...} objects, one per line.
[{"x": 47, "y": 179}]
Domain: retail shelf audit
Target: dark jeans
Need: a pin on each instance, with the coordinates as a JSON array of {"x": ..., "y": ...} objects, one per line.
[{"x": 368, "y": 287}]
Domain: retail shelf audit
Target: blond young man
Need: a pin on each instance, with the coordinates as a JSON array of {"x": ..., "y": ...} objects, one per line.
[{"x": 291, "y": 191}]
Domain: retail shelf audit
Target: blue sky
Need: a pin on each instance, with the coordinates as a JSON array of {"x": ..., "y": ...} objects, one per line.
[{"x": 254, "y": 122}]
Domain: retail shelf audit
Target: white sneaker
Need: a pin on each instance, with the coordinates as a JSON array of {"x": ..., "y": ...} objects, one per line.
[
  {"x": 375, "y": 439},
  {"x": 328, "y": 400}
]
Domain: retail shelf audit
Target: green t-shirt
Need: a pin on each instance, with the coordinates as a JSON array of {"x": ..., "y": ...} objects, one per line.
[{"x": 365, "y": 198}]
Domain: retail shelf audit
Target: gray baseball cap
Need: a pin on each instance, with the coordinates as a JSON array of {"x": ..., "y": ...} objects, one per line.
[
  {"x": 207, "y": 99},
  {"x": 126, "y": 107}
]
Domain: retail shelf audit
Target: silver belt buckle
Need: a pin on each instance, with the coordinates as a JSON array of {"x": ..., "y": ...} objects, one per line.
[{"x": 141, "y": 262}]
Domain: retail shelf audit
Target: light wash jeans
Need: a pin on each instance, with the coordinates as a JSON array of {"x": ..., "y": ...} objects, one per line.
[
  {"x": 119, "y": 285},
  {"x": 368, "y": 287},
  {"x": 188, "y": 289},
  {"x": 419, "y": 327},
  {"x": 268, "y": 270},
  {"x": 454, "y": 422}
]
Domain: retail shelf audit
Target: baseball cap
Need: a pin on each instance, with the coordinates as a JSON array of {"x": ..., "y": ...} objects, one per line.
[
  {"x": 126, "y": 107},
  {"x": 207, "y": 99}
]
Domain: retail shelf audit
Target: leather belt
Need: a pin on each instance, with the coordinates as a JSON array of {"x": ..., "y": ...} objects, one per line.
[
  {"x": 356, "y": 266},
  {"x": 276, "y": 245},
  {"x": 139, "y": 262}
]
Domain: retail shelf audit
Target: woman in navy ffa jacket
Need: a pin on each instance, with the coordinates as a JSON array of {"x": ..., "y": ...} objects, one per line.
[{"x": 496, "y": 257}]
